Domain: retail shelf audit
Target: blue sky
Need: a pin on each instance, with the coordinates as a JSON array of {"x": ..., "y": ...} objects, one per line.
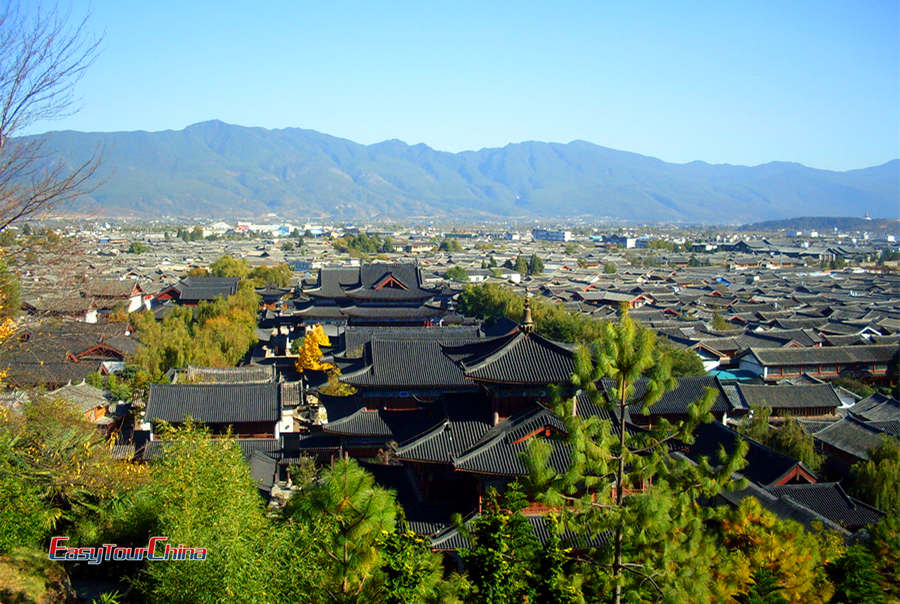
[{"x": 725, "y": 82}]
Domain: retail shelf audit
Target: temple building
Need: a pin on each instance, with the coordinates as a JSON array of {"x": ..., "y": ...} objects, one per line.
[{"x": 372, "y": 294}]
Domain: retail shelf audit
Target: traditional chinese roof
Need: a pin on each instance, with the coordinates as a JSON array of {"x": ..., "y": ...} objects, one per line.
[
  {"x": 111, "y": 288},
  {"x": 877, "y": 407},
  {"x": 385, "y": 424},
  {"x": 372, "y": 282},
  {"x": 851, "y": 436},
  {"x": 518, "y": 358},
  {"x": 83, "y": 396},
  {"x": 765, "y": 466},
  {"x": 675, "y": 402},
  {"x": 356, "y": 337},
  {"x": 827, "y": 355},
  {"x": 407, "y": 363},
  {"x": 828, "y": 499},
  {"x": 251, "y": 374},
  {"x": 806, "y": 396},
  {"x": 465, "y": 423},
  {"x": 194, "y": 289},
  {"x": 214, "y": 404}
]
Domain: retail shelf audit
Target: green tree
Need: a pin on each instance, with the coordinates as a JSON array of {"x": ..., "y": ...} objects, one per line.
[
  {"x": 658, "y": 541},
  {"x": 793, "y": 440},
  {"x": 877, "y": 480},
  {"x": 790, "y": 438},
  {"x": 188, "y": 485},
  {"x": 765, "y": 589},
  {"x": 753, "y": 540},
  {"x": 196, "y": 234},
  {"x": 720, "y": 324},
  {"x": 609, "y": 268},
  {"x": 502, "y": 550},
  {"x": 450, "y": 245},
  {"x": 885, "y": 547},
  {"x": 457, "y": 273},
  {"x": 263, "y": 275},
  {"x": 227, "y": 266},
  {"x": 684, "y": 361},
  {"x": 137, "y": 247},
  {"x": 521, "y": 265},
  {"x": 855, "y": 578},
  {"x": 535, "y": 265},
  {"x": 356, "y": 514},
  {"x": 10, "y": 294},
  {"x": 410, "y": 571}
]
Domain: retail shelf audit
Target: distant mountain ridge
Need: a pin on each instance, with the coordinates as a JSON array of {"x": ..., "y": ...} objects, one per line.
[{"x": 221, "y": 170}]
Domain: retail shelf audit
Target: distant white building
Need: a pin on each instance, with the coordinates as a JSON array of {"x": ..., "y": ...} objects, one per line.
[{"x": 545, "y": 235}]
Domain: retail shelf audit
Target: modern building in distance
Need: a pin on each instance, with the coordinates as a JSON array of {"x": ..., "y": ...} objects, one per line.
[{"x": 545, "y": 235}]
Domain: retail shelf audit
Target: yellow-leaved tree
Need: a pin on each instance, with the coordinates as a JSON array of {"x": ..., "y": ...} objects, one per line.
[{"x": 311, "y": 351}]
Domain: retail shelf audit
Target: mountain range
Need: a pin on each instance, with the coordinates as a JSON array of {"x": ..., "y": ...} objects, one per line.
[{"x": 222, "y": 170}]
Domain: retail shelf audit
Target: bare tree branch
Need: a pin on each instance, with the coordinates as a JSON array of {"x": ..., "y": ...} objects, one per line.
[{"x": 41, "y": 60}]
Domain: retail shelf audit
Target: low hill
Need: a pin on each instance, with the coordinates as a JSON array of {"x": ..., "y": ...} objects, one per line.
[{"x": 825, "y": 224}]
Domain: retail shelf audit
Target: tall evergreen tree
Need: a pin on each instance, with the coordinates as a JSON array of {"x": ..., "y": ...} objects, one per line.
[
  {"x": 656, "y": 533},
  {"x": 357, "y": 513}
]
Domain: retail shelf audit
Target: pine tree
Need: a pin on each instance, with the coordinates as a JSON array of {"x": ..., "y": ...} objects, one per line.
[
  {"x": 356, "y": 513},
  {"x": 411, "y": 571},
  {"x": 502, "y": 550},
  {"x": 657, "y": 537},
  {"x": 855, "y": 578},
  {"x": 535, "y": 265}
]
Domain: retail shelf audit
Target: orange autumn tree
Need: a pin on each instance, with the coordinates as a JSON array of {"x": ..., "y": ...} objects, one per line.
[{"x": 311, "y": 351}]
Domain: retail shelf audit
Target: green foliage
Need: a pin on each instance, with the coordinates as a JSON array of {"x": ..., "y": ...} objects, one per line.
[
  {"x": 609, "y": 268},
  {"x": 885, "y": 547},
  {"x": 364, "y": 244},
  {"x": 137, "y": 247},
  {"x": 279, "y": 274},
  {"x": 410, "y": 571},
  {"x": 535, "y": 265},
  {"x": 226, "y": 266},
  {"x": 754, "y": 539},
  {"x": 521, "y": 266},
  {"x": 765, "y": 589},
  {"x": 855, "y": 578},
  {"x": 450, "y": 245},
  {"x": 206, "y": 498},
  {"x": 684, "y": 361},
  {"x": 354, "y": 514},
  {"x": 657, "y": 532},
  {"x": 877, "y": 480},
  {"x": 457, "y": 273},
  {"x": 500, "y": 559},
  {"x": 215, "y": 334},
  {"x": 789, "y": 438},
  {"x": 287, "y": 246},
  {"x": 10, "y": 293},
  {"x": 720, "y": 324},
  {"x": 54, "y": 470}
]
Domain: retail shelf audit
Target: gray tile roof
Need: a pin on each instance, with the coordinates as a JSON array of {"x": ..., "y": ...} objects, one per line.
[
  {"x": 408, "y": 363},
  {"x": 877, "y": 407},
  {"x": 829, "y": 500},
  {"x": 851, "y": 436},
  {"x": 519, "y": 358},
  {"x": 789, "y": 397},
  {"x": 214, "y": 404},
  {"x": 825, "y": 355}
]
